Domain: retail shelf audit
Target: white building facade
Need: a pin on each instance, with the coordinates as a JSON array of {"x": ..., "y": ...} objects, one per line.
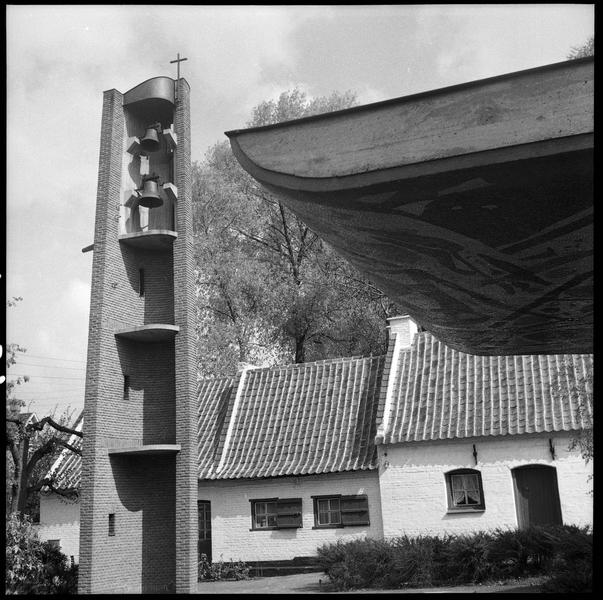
[
  {"x": 414, "y": 487},
  {"x": 235, "y": 537}
]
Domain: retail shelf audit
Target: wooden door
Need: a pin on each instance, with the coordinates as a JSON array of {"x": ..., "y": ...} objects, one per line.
[
  {"x": 204, "y": 547},
  {"x": 536, "y": 496}
]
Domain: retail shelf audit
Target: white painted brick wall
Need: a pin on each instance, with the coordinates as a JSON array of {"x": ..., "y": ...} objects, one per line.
[
  {"x": 409, "y": 495},
  {"x": 231, "y": 515},
  {"x": 60, "y": 520},
  {"x": 404, "y": 328},
  {"x": 413, "y": 487}
]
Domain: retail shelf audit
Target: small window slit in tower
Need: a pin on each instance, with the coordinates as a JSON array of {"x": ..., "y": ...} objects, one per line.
[{"x": 141, "y": 282}]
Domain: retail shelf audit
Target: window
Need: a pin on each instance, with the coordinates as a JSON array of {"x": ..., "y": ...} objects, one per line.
[
  {"x": 54, "y": 544},
  {"x": 264, "y": 514},
  {"x": 341, "y": 511},
  {"x": 276, "y": 513},
  {"x": 112, "y": 524},
  {"x": 328, "y": 511},
  {"x": 126, "y": 387},
  {"x": 204, "y": 509},
  {"x": 141, "y": 282},
  {"x": 465, "y": 491}
]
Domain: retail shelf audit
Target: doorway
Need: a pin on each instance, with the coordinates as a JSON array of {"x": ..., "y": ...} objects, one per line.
[
  {"x": 536, "y": 496},
  {"x": 204, "y": 546}
]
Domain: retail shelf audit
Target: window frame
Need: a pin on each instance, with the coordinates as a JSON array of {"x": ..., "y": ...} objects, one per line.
[
  {"x": 471, "y": 508},
  {"x": 317, "y": 500},
  {"x": 361, "y": 500},
  {"x": 204, "y": 511},
  {"x": 288, "y": 509}
]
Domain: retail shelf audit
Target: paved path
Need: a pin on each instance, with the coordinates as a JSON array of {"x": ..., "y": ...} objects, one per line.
[{"x": 317, "y": 583}]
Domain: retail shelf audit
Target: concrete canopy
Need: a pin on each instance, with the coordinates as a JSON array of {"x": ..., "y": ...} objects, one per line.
[{"x": 471, "y": 206}]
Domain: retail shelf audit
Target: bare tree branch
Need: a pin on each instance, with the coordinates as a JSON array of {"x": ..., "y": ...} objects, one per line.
[
  {"x": 48, "y": 420},
  {"x": 292, "y": 259},
  {"x": 256, "y": 239},
  {"x": 70, "y": 447},
  {"x": 14, "y": 451},
  {"x": 47, "y": 448}
]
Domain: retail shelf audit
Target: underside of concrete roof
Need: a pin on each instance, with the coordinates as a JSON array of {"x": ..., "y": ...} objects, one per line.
[{"x": 471, "y": 205}]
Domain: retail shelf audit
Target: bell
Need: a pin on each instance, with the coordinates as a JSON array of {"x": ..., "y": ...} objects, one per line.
[
  {"x": 150, "y": 141},
  {"x": 150, "y": 197}
]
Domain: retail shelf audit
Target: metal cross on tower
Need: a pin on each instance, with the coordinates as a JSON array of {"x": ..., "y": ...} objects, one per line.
[{"x": 177, "y": 61}]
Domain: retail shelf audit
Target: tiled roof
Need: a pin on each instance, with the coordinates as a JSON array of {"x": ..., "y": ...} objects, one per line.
[
  {"x": 299, "y": 419},
  {"x": 322, "y": 417},
  {"x": 440, "y": 393},
  {"x": 67, "y": 469}
]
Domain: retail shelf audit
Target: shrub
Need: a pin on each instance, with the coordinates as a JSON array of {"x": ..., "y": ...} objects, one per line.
[
  {"x": 571, "y": 570},
  {"x": 374, "y": 563},
  {"x": 351, "y": 564},
  {"x": 220, "y": 570},
  {"x": 32, "y": 566},
  {"x": 562, "y": 553},
  {"x": 24, "y": 567},
  {"x": 464, "y": 558},
  {"x": 60, "y": 577},
  {"x": 522, "y": 552},
  {"x": 414, "y": 561}
]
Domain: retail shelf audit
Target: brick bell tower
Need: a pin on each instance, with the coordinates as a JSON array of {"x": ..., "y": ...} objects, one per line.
[{"x": 139, "y": 466}]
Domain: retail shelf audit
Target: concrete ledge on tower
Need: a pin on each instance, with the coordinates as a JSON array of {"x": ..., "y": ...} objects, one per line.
[
  {"x": 152, "y": 239},
  {"x": 133, "y": 145},
  {"x": 154, "y": 332},
  {"x": 170, "y": 137},
  {"x": 171, "y": 190},
  {"x": 146, "y": 449}
]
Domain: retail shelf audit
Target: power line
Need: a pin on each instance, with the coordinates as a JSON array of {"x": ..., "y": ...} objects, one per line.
[
  {"x": 52, "y": 393},
  {"x": 27, "y": 364},
  {"x": 41, "y": 379},
  {"x": 44, "y": 398},
  {"x": 52, "y": 358},
  {"x": 49, "y": 376}
]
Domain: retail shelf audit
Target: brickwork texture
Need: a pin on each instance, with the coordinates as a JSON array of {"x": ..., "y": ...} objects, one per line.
[{"x": 146, "y": 498}]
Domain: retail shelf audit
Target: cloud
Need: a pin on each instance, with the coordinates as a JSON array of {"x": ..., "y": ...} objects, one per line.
[
  {"x": 77, "y": 296},
  {"x": 368, "y": 94}
]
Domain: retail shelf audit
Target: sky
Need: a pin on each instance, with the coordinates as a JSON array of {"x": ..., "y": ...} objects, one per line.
[{"x": 61, "y": 58}]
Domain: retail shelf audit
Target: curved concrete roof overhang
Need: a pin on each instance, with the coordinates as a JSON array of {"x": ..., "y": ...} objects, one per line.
[
  {"x": 156, "y": 88},
  {"x": 471, "y": 205}
]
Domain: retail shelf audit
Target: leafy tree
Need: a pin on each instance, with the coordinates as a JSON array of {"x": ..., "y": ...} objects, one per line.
[
  {"x": 31, "y": 447},
  {"x": 575, "y": 385},
  {"x": 270, "y": 290},
  {"x": 587, "y": 49}
]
